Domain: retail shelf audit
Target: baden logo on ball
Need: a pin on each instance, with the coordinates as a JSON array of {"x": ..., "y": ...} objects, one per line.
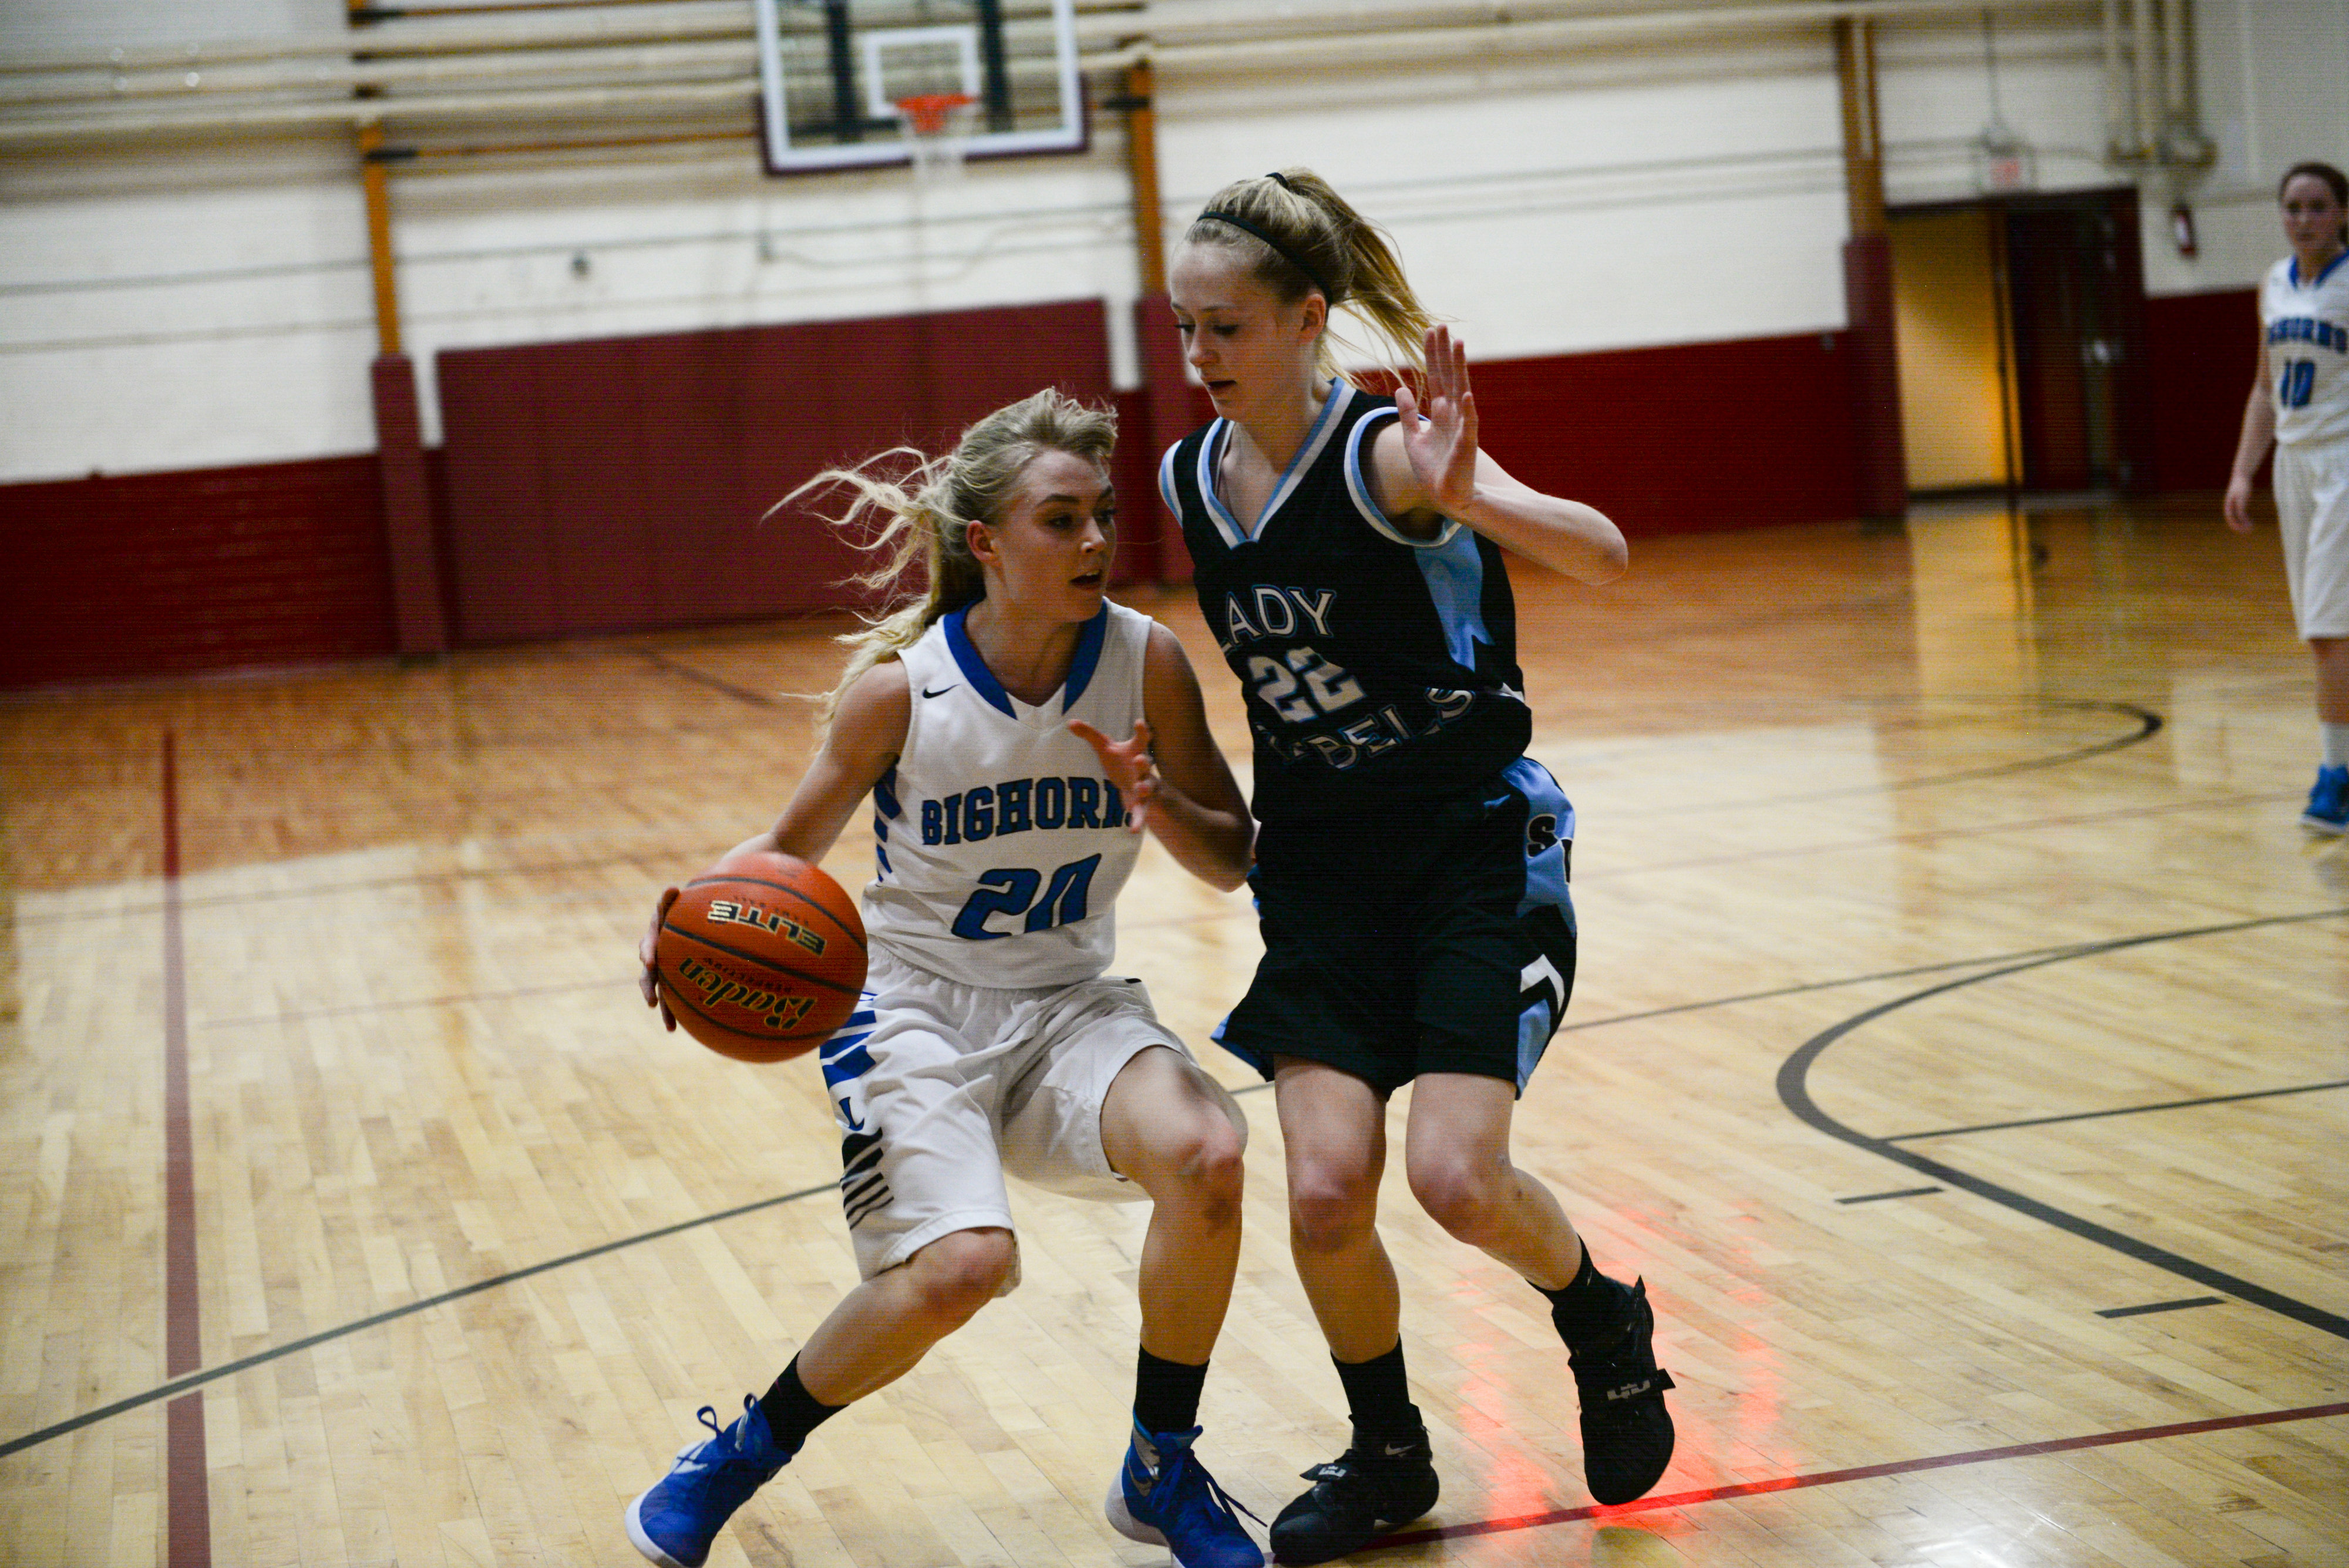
[{"x": 761, "y": 957}]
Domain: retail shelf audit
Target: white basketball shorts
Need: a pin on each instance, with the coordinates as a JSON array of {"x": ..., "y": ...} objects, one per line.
[
  {"x": 2311, "y": 493},
  {"x": 941, "y": 1088}
]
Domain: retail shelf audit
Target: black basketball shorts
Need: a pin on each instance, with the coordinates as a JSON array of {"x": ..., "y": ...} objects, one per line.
[{"x": 1439, "y": 941}]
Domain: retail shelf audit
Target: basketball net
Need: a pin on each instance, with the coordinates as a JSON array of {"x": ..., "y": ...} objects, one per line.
[{"x": 938, "y": 129}]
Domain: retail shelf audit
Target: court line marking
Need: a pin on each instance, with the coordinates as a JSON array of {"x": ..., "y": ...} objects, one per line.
[
  {"x": 418, "y": 879},
  {"x": 264, "y": 754},
  {"x": 1793, "y": 1093},
  {"x": 660, "y": 661},
  {"x": 475, "y": 873},
  {"x": 463, "y": 874},
  {"x": 2124, "y": 1110},
  {"x": 2148, "y": 725},
  {"x": 262, "y": 1357},
  {"x": 2179, "y": 1306},
  {"x": 1896, "y": 1192},
  {"x": 1942, "y": 967},
  {"x": 279, "y": 1352},
  {"x": 371, "y": 1009},
  {"x": 1935, "y": 835},
  {"x": 187, "y": 1478},
  {"x": 613, "y": 982},
  {"x": 1861, "y": 1473}
]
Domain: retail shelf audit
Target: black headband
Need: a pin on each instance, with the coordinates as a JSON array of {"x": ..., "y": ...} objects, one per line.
[{"x": 1280, "y": 250}]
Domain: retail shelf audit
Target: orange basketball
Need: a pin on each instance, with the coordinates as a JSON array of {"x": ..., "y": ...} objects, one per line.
[{"x": 761, "y": 957}]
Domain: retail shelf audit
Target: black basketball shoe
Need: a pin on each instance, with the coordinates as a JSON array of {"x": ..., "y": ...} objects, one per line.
[
  {"x": 1356, "y": 1497},
  {"x": 1627, "y": 1433}
]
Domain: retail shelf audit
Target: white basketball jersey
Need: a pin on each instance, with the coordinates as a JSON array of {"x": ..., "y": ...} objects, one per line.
[
  {"x": 1001, "y": 847},
  {"x": 2305, "y": 324}
]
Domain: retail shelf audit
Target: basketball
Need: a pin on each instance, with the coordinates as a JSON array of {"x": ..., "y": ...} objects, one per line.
[{"x": 761, "y": 957}]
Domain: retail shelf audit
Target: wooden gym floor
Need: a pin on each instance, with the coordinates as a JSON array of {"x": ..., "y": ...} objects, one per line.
[{"x": 1962, "y": 1024}]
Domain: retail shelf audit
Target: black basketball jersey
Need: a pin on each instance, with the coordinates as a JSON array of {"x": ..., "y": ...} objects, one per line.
[{"x": 1376, "y": 667}]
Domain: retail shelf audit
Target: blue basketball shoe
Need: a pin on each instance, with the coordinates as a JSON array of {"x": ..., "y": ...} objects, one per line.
[
  {"x": 674, "y": 1521},
  {"x": 2328, "y": 802},
  {"x": 1164, "y": 1497}
]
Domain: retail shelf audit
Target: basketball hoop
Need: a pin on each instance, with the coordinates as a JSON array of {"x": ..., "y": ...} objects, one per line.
[{"x": 937, "y": 128}]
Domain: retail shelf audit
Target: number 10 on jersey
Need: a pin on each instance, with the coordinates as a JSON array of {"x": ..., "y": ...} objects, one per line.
[{"x": 2295, "y": 383}]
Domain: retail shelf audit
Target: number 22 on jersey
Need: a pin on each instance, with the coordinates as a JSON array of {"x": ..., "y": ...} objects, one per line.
[{"x": 1327, "y": 689}]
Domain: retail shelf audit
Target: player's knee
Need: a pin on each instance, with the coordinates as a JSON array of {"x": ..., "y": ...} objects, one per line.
[
  {"x": 956, "y": 1274},
  {"x": 1330, "y": 1207},
  {"x": 1466, "y": 1199},
  {"x": 1221, "y": 1176},
  {"x": 1209, "y": 1159},
  {"x": 1195, "y": 1161}
]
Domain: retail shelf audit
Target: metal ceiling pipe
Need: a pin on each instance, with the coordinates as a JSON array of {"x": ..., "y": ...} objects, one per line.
[
  {"x": 662, "y": 21},
  {"x": 1501, "y": 34},
  {"x": 1153, "y": 28},
  {"x": 2117, "y": 91},
  {"x": 688, "y": 19},
  {"x": 2174, "y": 52},
  {"x": 375, "y": 111},
  {"x": 1176, "y": 23},
  {"x": 622, "y": 62},
  {"x": 1559, "y": 34}
]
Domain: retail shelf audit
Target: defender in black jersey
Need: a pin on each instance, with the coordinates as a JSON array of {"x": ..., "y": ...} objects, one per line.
[
  {"x": 1381, "y": 678},
  {"x": 1412, "y": 861},
  {"x": 1378, "y": 668}
]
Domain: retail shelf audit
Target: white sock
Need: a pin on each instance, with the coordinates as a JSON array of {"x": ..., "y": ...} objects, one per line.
[{"x": 2336, "y": 744}]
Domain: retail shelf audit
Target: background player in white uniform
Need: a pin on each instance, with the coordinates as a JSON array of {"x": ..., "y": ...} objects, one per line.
[
  {"x": 1391, "y": 721},
  {"x": 2300, "y": 401},
  {"x": 978, "y": 720}
]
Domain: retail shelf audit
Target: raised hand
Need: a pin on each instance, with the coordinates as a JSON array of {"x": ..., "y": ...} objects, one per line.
[
  {"x": 1129, "y": 765},
  {"x": 646, "y": 980},
  {"x": 1441, "y": 445}
]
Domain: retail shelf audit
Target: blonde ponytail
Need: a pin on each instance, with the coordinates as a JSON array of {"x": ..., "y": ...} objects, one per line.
[
  {"x": 915, "y": 513},
  {"x": 1300, "y": 236}
]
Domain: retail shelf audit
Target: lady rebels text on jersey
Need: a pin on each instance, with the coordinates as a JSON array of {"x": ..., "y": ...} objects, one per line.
[
  {"x": 1377, "y": 667},
  {"x": 1000, "y": 848}
]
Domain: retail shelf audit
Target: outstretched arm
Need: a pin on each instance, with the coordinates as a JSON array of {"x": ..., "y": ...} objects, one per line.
[
  {"x": 1427, "y": 466},
  {"x": 1174, "y": 777},
  {"x": 2259, "y": 432},
  {"x": 866, "y": 735}
]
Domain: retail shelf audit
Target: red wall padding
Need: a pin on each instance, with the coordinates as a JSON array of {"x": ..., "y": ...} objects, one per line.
[
  {"x": 2202, "y": 350},
  {"x": 174, "y": 574},
  {"x": 1685, "y": 439},
  {"x": 620, "y": 485},
  {"x": 1676, "y": 440}
]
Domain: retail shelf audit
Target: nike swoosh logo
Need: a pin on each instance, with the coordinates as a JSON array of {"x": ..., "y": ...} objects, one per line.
[
  {"x": 939, "y": 692},
  {"x": 1396, "y": 1448}
]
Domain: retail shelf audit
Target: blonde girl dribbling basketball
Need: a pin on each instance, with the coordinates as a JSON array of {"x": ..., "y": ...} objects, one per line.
[
  {"x": 1346, "y": 551},
  {"x": 979, "y": 720}
]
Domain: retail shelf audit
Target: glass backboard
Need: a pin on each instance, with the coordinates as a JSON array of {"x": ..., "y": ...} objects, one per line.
[{"x": 834, "y": 72}]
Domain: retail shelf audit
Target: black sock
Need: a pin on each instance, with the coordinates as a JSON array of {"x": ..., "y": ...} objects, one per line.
[
  {"x": 1588, "y": 1307},
  {"x": 1166, "y": 1393},
  {"x": 791, "y": 1411},
  {"x": 1378, "y": 1396}
]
